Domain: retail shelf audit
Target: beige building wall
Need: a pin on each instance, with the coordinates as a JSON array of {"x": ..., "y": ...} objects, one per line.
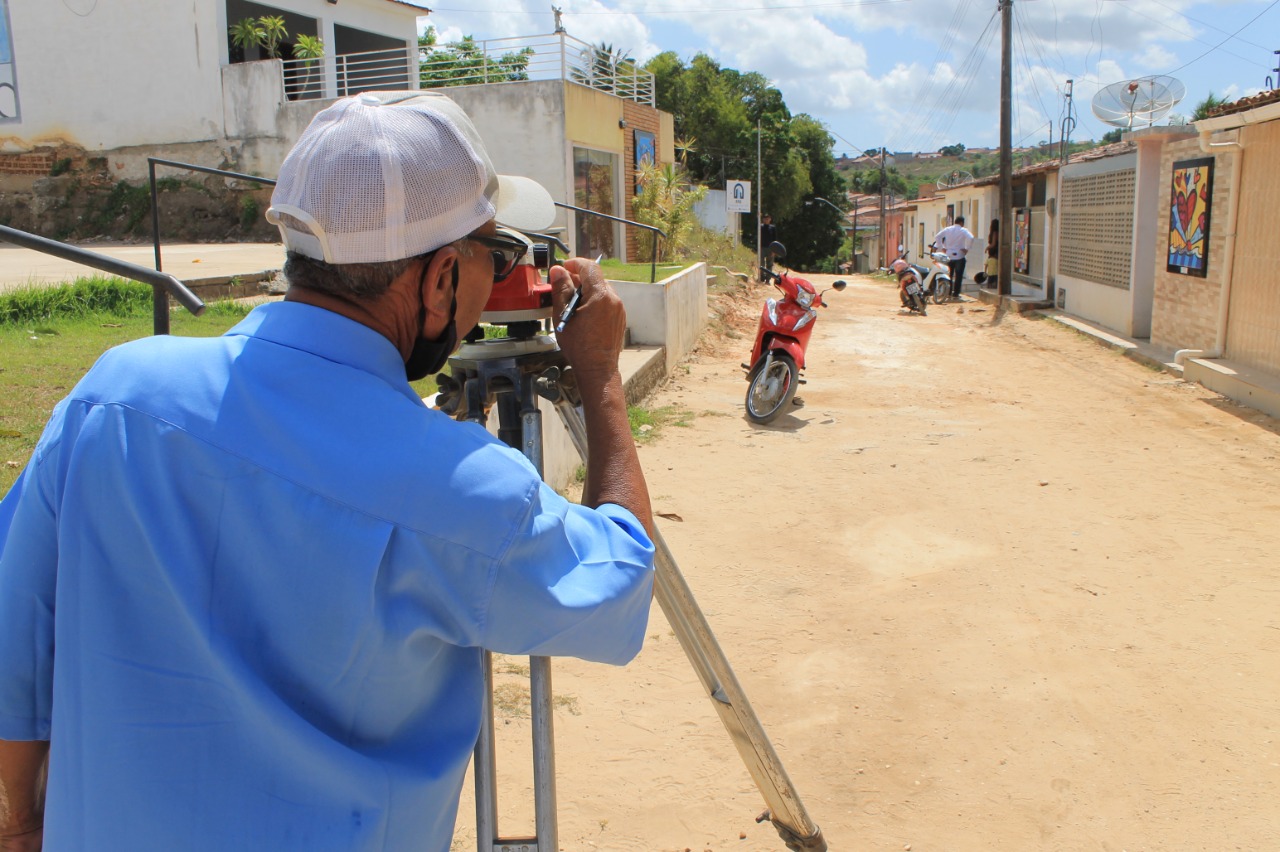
[
  {"x": 1185, "y": 308},
  {"x": 1253, "y": 325}
]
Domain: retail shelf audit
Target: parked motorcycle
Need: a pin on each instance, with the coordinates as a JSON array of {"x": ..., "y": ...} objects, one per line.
[
  {"x": 782, "y": 337},
  {"x": 932, "y": 282}
]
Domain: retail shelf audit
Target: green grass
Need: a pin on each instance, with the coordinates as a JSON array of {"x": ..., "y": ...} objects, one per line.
[
  {"x": 57, "y": 336},
  {"x": 648, "y": 423},
  {"x": 616, "y": 270},
  {"x": 51, "y": 336}
]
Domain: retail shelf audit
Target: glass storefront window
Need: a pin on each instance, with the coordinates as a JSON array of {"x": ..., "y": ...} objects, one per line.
[{"x": 593, "y": 189}]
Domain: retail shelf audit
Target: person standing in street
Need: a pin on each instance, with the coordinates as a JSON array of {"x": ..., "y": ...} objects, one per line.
[
  {"x": 955, "y": 241},
  {"x": 768, "y": 234},
  {"x": 246, "y": 582}
]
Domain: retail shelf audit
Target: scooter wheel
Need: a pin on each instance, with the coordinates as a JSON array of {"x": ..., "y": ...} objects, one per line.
[{"x": 773, "y": 383}]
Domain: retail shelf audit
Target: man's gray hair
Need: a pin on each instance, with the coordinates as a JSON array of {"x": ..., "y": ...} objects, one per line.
[{"x": 352, "y": 280}]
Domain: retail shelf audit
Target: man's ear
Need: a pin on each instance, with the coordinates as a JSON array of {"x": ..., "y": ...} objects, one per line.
[{"x": 438, "y": 289}]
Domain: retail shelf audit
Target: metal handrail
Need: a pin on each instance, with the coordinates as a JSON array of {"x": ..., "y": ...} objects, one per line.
[
  {"x": 161, "y": 312},
  {"x": 161, "y": 283},
  {"x": 653, "y": 262}
]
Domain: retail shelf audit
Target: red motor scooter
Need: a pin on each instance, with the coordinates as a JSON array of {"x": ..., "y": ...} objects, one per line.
[{"x": 782, "y": 337}]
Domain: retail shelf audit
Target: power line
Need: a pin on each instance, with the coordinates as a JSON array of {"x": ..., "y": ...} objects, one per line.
[
  {"x": 1225, "y": 40},
  {"x": 685, "y": 10}
]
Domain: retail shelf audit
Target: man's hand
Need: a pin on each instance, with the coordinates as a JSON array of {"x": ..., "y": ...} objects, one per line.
[
  {"x": 591, "y": 342},
  {"x": 592, "y": 338},
  {"x": 22, "y": 781}
]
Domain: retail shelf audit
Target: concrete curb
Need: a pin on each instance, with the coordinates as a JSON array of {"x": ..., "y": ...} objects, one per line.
[{"x": 1144, "y": 354}]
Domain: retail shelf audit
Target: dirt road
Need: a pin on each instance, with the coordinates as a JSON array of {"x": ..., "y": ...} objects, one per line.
[{"x": 993, "y": 588}]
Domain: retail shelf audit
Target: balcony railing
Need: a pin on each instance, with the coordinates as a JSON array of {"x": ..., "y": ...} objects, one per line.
[
  {"x": 353, "y": 73},
  {"x": 557, "y": 56}
]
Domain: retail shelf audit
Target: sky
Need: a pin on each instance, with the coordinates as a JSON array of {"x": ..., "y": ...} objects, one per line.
[{"x": 914, "y": 75}]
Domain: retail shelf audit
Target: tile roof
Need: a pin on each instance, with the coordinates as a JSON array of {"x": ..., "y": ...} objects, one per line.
[
  {"x": 1245, "y": 104},
  {"x": 1114, "y": 149}
]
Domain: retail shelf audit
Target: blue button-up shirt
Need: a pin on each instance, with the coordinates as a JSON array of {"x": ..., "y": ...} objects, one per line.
[{"x": 245, "y": 583}]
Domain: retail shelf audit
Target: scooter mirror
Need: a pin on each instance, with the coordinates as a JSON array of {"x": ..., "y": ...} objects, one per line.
[
  {"x": 902, "y": 248},
  {"x": 839, "y": 285},
  {"x": 777, "y": 249}
]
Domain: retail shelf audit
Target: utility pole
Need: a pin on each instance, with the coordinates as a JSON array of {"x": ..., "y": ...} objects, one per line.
[
  {"x": 884, "y": 236},
  {"x": 1068, "y": 124},
  {"x": 759, "y": 199},
  {"x": 1006, "y": 148}
]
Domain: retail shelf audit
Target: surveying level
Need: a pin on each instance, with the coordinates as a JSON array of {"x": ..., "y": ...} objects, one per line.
[{"x": 513, "y": 372}]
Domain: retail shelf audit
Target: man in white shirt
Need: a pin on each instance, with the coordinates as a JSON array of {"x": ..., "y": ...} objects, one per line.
[{"x": 955, "y": 240}]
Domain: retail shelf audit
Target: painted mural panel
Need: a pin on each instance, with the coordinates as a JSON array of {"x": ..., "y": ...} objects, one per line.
[
  {"x": 1022, "y": 241},
  {"x": 1190, "y": 214},
  {"x": 9, "y": 111}
]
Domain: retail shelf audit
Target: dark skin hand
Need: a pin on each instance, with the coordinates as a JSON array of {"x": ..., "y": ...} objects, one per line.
[
  {"x": 22, "y": 780},
  {"x": 591, "y": 342}
]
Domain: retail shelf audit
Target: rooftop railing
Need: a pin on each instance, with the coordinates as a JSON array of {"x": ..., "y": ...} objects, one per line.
[{"x": 557, "y": 56}]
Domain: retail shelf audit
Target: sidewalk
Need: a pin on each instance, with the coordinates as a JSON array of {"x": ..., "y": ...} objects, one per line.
[
  {"x": 1142, "y": 351},
  {"x": 191, "y": 263}
]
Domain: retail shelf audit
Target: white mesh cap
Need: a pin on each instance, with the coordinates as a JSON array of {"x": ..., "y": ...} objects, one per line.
[{"x": 388, "y": 175}]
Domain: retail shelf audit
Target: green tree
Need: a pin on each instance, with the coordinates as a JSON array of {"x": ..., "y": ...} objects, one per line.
[
  {"x": 273, "y": 32},
  {"x": 465, "y": 62},
  {"x": 722, "y": 108},
  {"x": 1206, "y": 107},
  {"x": 951, "y": 150},
  {"x": 1112, "y": 136},
  {"x": 245, "y": 34},
  {"x": 666, "y": 202},
  {"x": 814, "y": 234},
  {"x": 606, "y": 68}
]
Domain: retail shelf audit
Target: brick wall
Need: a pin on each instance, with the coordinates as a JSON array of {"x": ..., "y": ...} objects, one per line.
[
  {"x": 1184, "y": 312},
  {"x": 645, "y": 118},
  {"x": 38, "y": 164}
]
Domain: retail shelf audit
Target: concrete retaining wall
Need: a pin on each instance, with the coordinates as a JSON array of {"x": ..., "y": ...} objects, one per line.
[{"x": 668, "y": 313}]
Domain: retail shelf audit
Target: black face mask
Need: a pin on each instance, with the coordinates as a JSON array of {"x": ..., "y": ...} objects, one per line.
[{"x": 429, "y": 356}]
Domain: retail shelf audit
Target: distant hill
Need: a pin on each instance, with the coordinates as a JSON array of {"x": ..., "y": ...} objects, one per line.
[{"x": 916, "y": 168}]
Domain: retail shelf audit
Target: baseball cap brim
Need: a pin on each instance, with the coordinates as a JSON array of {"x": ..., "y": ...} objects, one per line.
[{"x": 523, "y": 204}]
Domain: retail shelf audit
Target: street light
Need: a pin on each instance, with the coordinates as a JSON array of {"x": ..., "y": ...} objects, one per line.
[
  {"x": 843, "y": 214},
  {"x": 809, "y": 203}
]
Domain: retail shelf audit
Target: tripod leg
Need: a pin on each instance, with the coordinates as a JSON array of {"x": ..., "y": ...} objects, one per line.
[
  {"x": 520, "y": 427},
  {"x": 786, "y": 811}
]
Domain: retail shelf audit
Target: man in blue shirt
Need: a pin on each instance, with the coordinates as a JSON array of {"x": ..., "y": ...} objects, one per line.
[{"x": 268, "y": 570}]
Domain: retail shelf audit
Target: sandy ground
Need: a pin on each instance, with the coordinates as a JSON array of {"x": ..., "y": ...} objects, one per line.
[{"x": 993, "y": 588}]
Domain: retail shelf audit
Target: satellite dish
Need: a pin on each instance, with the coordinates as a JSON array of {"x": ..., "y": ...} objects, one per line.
[
  {"x": 1131, "y": 103},
  {"x": 955, "y": 178}
]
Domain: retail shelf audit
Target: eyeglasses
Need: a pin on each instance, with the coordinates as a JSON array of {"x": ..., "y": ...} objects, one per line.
[{"x": 505, "y": 251}]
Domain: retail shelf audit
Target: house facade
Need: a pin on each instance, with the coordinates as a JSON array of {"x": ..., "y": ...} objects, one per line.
[
  {"x": 550, "y": 107},
  {"x": 1217, "y": 291},
  {"x": 112, "y": 76}
]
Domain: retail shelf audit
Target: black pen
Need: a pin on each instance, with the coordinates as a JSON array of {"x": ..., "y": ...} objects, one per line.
[{"x": 573, "y": 304}]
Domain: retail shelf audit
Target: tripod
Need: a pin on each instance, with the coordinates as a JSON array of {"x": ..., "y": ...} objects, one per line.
[{"x": 513, "y": 374}]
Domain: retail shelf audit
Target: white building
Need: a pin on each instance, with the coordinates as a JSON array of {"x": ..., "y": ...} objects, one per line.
[{"x": 110, "y": 76}]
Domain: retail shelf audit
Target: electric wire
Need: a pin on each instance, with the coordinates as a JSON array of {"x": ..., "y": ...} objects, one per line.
[
  {"x": 685, "y": 10},
  {"x": 967, "y": 72},
  {"x": 1204, "y": 24},
  {"x": 1026, "y": 63},
  {"x": 943, "y": 49},
  {"x": 1225, "y": 40}
]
